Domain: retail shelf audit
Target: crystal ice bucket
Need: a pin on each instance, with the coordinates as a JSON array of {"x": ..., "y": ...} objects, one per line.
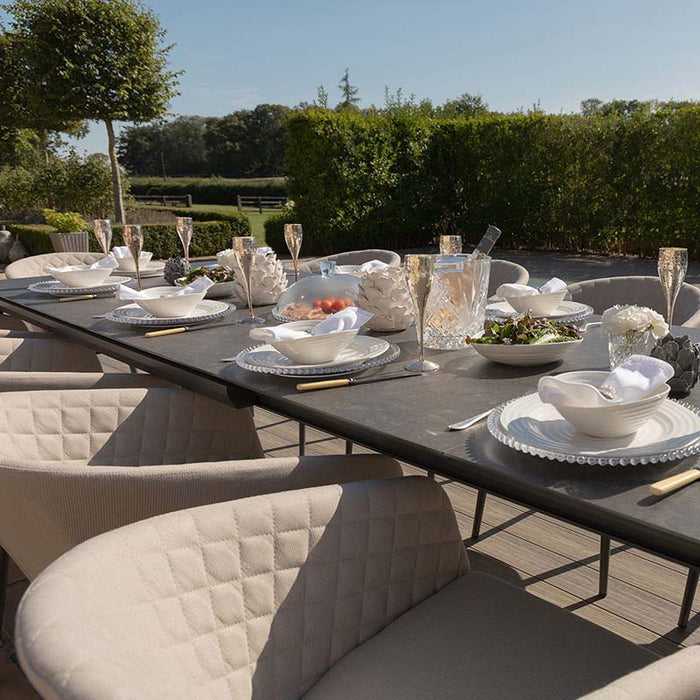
[{"x": 457, "y": 304}]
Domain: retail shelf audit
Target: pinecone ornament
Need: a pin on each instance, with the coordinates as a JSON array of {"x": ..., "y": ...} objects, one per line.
[
  {"x": 174, "y": 269},
  {"x": 384, "y": 293},
  {"x": 17, "y": 252},
  {"x": 684, "y": 356},
  {"x": 269, "y": 280}
]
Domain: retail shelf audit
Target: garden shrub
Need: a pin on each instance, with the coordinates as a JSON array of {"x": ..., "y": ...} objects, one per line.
[
  {"x": 214, "y": 190},
  {"x": 274, "y": 230},
  {"x": 615, "y": 184}
]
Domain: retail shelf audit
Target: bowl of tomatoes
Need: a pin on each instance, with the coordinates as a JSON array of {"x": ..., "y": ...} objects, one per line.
[{"x": 315, "y": 298}]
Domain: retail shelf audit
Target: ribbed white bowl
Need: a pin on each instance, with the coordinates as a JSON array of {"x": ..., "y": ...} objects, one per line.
[
  {"x": 316, "y": 349},
  {"x": 83, "y": 277},
  {"x": 128, "y": 264},
  {"x": 539, "y": 304},
  {"x": 526, "y": 355},
  {"x": 161, "y": 303}
]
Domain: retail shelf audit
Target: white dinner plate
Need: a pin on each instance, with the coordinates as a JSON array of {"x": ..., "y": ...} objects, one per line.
[
  {"x": 58, "y": 289},
  {"x": 528, "y": 425},
  {"x": 567, "y": 312},
  {"x": 134, "y": 315},
  {"x": 364, "y": 351},
  {"x": 151, "y": 269}
]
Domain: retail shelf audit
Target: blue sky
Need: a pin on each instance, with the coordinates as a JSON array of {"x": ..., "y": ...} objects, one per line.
[{"x": 238, "y": 54}]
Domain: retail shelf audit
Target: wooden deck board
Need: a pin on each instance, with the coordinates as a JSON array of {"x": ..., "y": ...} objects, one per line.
[{"x": 551, "y": 559}]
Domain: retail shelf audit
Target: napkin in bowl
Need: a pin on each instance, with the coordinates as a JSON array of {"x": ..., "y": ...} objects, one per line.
[
  {"x": 636, "y": 378},
  {"x": 102, "y": 263},
  {"x": 348, "y": 319},
  {"x": 523, "y": 290},
  {"x": 122, "y": 252},
  {"x": 373, "y": 265},
  {"x": 201, "y": 284}
]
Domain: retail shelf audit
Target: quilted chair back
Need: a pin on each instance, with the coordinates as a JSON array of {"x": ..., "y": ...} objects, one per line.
[
  {"x": 506, "y": 272},
  {"x": 27, "y": 354},
  {"x": 33, "y": 266},
  {"x": 603, "y": 293},
  {"x": 354, "y": 257},
  {"x": 254, "y": 598}
]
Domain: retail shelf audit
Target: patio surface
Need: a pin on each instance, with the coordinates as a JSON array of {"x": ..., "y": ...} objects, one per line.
[{"x": 553, "y": 560}]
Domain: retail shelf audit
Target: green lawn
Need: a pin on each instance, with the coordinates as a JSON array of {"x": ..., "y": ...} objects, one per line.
[{"x": 256, "y": 218}]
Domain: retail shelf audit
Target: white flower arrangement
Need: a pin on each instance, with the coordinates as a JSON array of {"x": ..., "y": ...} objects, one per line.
[
  {"x": 226, "y": 258},
  {"x": 623, "y": 319}
]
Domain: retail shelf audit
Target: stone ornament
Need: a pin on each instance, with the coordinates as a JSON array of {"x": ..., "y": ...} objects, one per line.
[
  {"x": 384, "y": 293},
  {"x": 5, "y": 245},
  {"x": 174, "y": 269},
  {"x": 268, "y": 280},
  {"x": 18, "y": 251}
]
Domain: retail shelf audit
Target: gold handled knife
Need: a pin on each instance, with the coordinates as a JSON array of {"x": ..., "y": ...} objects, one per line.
[
  {"x": 331, "y": 383},
  {"x": 675, "y": 482}
]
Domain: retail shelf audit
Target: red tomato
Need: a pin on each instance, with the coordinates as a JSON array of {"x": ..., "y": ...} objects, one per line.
[
  {"x": 339, "y": 305},
  {"x": 316, "y": 303},
  {"x": 326, "y": 306}
]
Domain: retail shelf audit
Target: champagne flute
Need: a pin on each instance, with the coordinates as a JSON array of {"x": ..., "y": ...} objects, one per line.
[
  {"x": 244, "y": 249},
  {"x": 103, "y": 234},
  {"x": 673, "y": 264},
  {"x": 420, "y": 270},
  {"x": 185, "y": 231},
  {"x": 292, "y": 235},
  {"x": 450, "y": 245},
  {"x": 133, "y": 237}
]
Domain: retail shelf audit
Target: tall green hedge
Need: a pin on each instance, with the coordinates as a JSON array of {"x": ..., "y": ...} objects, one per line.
[
  {"x": 209, "y": 238},
  {"x": 550, "y": 182},
  {"x": 214, "y": 190}
]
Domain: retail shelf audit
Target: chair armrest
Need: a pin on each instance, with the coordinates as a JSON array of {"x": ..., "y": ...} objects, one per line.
[
  {"x": 675, "y": 677},
  {"x": 33, "y": 381}
]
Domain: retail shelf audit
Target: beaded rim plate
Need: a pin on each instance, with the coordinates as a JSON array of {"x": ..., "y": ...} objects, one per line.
[
  {"x": 527, "y": 425},
  {"x": 567, "y": 312},
  {"x": 58, "y": 289},
  {"x": 388, "y": 354},
  {"x": 151, "y": 269},
  {"x": 134, "y": 315}
]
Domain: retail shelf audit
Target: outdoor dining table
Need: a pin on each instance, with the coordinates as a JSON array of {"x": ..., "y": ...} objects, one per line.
[{"x": 408, "y": 418}]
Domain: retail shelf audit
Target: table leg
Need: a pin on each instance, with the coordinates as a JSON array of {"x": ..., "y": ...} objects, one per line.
[
  {"x": 302, "y": 439},
  {"x": 348, "y": 447},
  {"x": 478, "y": 513},
  {"x": 691, "y": 583},
  {"x": 604, "y": 570}
]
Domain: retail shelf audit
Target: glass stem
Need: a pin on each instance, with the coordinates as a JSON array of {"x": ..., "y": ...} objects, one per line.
[
  {"x": 249, "y": 287},
  {"x": 420, "y": 319},
  {"x": 296, "y": 268},
  {"x": 670, "y": 308}
]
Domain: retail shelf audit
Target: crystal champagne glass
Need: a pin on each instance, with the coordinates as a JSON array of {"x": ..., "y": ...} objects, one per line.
[
  {"x": 244, "y": 248},
  {"x": 133, "y": 237},
  {"x": 292, "y": 235},
  {"x": 673, "y": 264},
  {"x": 450, "y": 245},
  {"x": 420, "y": 270},
  {"x": 103, "y": 234},
  {"x": 185, "y": 231}
]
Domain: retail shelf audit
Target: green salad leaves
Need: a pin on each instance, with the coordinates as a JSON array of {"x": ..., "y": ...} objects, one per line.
[{"x": 527, "y": 331}]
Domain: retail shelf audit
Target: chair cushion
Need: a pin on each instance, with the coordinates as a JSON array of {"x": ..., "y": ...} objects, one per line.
[{"x": 480, "y": 637}]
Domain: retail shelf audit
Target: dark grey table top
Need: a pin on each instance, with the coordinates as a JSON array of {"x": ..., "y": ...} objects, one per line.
[{"x": 409, "y": 418}]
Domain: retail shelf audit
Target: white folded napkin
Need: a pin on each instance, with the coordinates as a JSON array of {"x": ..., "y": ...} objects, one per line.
[
  {"x": 634, "y": 379},
  {"x": 523, "y": 290},
  {"x": 103, "y": 262},
  {"x": 121, "y": 252},
  {"x": 264, "y": 250},
  {"x": 373, "y": 265},
  {"x": 345, "y": 320},
  {"x": 201, "y": 284}
]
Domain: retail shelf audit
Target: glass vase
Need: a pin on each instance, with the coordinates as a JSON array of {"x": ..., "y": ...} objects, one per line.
[
  {"x": 457, "y": 304},
  {"x": 624, "y": 345}
]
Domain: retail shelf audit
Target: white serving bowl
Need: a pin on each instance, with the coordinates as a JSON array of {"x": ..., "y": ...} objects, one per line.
[
  {"x": 539, "y": 304},
  {"x": 161, "y": 302},
  {"x": 128, "y": 265},
  {"x": 316, "y": 349},
  {"x": 218, "y": 290},
  {"x": 615, "y": 420},
  {"x": 347, "y": 270},
  {"x": 526, "y": 355},
  {"x": 83, "y": 277}
]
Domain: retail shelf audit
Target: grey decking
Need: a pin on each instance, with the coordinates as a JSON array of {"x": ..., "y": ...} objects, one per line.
[{"x": 553, "y": 560}]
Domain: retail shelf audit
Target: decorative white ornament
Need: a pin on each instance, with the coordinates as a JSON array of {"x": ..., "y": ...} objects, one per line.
[
  {"x": 269, "y": 280},
  {"x": 384, "y": 293}
]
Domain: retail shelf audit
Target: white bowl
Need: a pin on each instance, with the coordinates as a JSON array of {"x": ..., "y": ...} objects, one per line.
[
  {"x": 128, "y": 265},
  {"x": 615, "y": 420},
  {"x": 84, "y": 277},
  {"x": 539, "y": 304},
  {"x": 526, "y": 355},
  {"x": 162, "y": 303},
  {"x": 316, "y": 349},
  {"x": 218, "y": 290},
  {"x": 347, "y": 270}
]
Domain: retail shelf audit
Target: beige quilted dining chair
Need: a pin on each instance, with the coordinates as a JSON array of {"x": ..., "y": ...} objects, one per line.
[
  {"x": 75, "y": 463},
  {"x": 356, "y": 591},
  {"x": 603, "y": 293},
  {"x": 26, "y": 353},
  {"x": 33, "y": 266},
  {"x": 353, "y": 257},
  {"x": 506, "y": 272}
]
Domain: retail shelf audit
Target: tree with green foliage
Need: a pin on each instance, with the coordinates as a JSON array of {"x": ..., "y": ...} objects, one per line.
[
  {"x": 97, "y": 60},
  {"x": 466, "y": 105},
  {"x": 322, "y": 97},
  {"x": 348, "y": 92}
]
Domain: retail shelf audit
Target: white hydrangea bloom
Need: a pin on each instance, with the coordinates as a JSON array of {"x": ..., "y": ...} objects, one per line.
[
  {"x": 618, "y": 320},
  {"x": 226, "y": 258}
]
